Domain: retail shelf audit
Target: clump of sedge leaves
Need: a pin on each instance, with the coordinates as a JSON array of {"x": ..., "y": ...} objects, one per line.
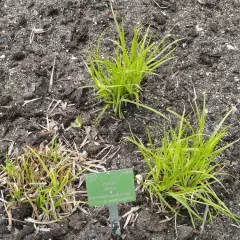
[
  {"x": 185, "y": 166},
  {"x": 45, "y": 179},
  {"x": 118, "y": 78}
]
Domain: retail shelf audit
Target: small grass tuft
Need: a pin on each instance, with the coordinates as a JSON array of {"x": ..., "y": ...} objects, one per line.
[
  {"x": 118, "y": 79},
  {"x": 186, "y": 165},
  {"x": 44, "y": 178}
]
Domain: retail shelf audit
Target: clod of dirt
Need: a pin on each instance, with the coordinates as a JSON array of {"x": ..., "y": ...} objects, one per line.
[
  {"x": 78, "y": 221},
  {"x": 22, "y": 212},
  {"x": 75, "y": 96},
  {"x": 59, "y": 229},
  {"x": 5, "y": 99},
  {"x": 3, "y": 75},
  {"x": 30, "y": 4},
  {"x": 40, "y": 236},
  {"x": 3, "y": 226},
  {"x": 39, "y": 137},
  {"x": 4, "y": 40},
  {"x": 210, "y": 3},
  {"x": 42, "y": 88},
  {"x": 141, "y": 234},
  {"x": 94, "y": 232},
  {"x": 206, "y": 59},
  {"x": 173, "y": 6},
  {"x": 78, "y": 34},
  {"x": 159, "y": 18},
  {"x": 22, "y": 21},
  {"x": 93, "y": 149},
  {"x": 100, "y": 6},
  {"x": 3, "y": 151},
  {"x": 40, "y": 72},
  {"x": 193, "y": 33},
  {"x": 213, "y": 26},
  {"x": 24, "y": 232},
  {"x": 28, "y": 95},
  {"x": 32, "y": 125},
  {"x": 81, "y": 33},
  {"x": 18, "y": 56},
  {"x": 51, "y": 11},
  {"x": 185, "y": 232},
  {"x": 148, "y": 217}
]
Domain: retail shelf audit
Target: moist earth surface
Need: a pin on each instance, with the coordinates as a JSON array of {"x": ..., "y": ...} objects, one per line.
[{"x": 42, "y": 53}]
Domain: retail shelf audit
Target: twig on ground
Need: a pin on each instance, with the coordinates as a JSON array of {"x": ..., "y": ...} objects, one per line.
[
  {"x": 83, "y": 210},
  {"x": 159, "y": 5},
  {"x": 48, "y": 125},
  {"x": 85, "y": 141},
  {"x": 10, "y": 149},
  {"x": 56, "y": 104},
  {"x": 127, "y": 220},
  {"x": 107, "y": 147},
  {"x": 135, "y": 219},
  {"x": 234, "y": 225},
  {"x": 133, "y": 209},
  {"x": 131, "y": 217},
  {"x": 32, "y": 100},
  {"x": 31, "y": 220},
  {"x": 175, "y": 225},
  {"x": 111, "y": 156},
  {"x": 15, "y": 220},
  {"x": 51, "y": 78}
]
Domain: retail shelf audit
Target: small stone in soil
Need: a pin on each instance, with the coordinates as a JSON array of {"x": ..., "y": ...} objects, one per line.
[
  {"x": 184, "y": 232},
  {"x": 28, "y": 95},
  {"x": 213, "y": 26},
  {"x": 159, "y": 18},
  {"x": 210, "y": 3}
]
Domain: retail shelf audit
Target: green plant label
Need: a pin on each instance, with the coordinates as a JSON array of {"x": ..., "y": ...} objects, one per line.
[{"x": 111, "y": 187}]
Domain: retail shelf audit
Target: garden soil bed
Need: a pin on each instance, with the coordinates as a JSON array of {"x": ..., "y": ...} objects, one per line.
[{"x": 35, "y": 32}]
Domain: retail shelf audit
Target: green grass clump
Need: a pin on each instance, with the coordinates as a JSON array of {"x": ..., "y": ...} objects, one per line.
[
  {"x": 186, "y": 165},
  {"x": 44, "y": 178},
  {"x": 118, "y": 78}
]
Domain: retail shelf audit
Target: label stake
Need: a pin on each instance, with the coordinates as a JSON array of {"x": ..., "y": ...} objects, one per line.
[
  {"x": 109, "y": 189},
  {"x": 114, "y": 220}
]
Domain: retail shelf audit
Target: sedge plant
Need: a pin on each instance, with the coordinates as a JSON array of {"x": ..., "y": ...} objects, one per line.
[
  {"x": 118, "y": 78},
  {"x": 186, "y": 165},
  {"x": 45, "y": 179}
]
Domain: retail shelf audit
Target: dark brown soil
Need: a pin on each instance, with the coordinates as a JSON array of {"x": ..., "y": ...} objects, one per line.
[{"x": 208, "y": 60}]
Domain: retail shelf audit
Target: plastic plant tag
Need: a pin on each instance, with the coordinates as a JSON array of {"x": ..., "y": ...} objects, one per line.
[{"x": 109, "y": 188}]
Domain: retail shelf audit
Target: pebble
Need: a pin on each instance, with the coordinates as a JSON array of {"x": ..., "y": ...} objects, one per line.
[
  {"x": 198, "y": 28},
  {"x": 213, "y": 26},
  {"x": 159, "y": 18},
  {"x": 139, "y": 178},
  {"x": 185, "y": 232},
  {"x": 28, "y": 95},
  {"x": 230, "y": 47}
]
